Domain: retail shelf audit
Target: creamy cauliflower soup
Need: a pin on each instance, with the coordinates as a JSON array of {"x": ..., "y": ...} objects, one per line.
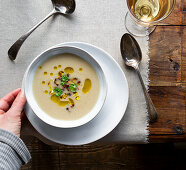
[{"x": 66, "y": 87}]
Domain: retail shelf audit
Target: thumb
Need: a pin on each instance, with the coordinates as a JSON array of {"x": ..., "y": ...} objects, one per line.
[{"x": 18, "y": 104}]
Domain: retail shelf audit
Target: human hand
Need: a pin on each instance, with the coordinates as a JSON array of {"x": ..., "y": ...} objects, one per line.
[{"x": 11, "y": 111}]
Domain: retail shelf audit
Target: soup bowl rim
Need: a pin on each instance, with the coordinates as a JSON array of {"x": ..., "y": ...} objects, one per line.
[{"x": 42, "y": 114}]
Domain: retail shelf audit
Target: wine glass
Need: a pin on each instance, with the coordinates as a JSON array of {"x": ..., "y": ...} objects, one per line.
[{"x": 143, "y": 15}]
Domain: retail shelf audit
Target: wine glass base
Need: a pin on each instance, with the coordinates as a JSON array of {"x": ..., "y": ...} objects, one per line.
[{"x": 136, "y": 29}]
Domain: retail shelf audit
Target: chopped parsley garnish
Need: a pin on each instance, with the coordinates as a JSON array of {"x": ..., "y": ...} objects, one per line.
[
  {"x": 63, "y": 83},
  {"x": 73, "y": 87},
  {"x": 58, "y": 92},
  {"x": 64, "y": 80}
]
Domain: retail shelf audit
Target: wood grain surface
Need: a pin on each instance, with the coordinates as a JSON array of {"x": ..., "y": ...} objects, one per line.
[
  {"x": 168, "y": 77},
  {"x": 106, "y": 157},
  {"x": 167, "y": 89}
]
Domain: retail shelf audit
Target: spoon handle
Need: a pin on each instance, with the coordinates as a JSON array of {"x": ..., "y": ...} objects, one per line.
[
  {"x": 12, "y": 52},
  {"x": 153, "y": 114}
]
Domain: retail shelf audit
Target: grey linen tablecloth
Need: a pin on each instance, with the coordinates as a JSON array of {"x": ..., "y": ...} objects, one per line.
[{"x": 98, "y": 22}]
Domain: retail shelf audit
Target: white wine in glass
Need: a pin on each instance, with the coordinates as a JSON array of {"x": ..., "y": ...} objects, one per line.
[{"x": 144, "y": 14}]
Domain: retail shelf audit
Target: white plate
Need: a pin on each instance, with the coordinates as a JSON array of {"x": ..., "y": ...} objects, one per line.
[{"x": 110, "y": 114}]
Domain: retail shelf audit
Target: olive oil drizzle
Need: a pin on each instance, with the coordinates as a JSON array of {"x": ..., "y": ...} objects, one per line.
[
  {"x": 87, "y": 86},
  {"x": 65, "y": 99},
  {"x": 69, "y": 70},
  {"x": 57, "y": 100},
  {"x": 64, "y": 103}
]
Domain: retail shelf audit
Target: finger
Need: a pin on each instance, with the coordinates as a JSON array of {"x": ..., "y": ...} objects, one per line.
[
  {"x": 7, "y": 100},
  {"x": 18, "y": 105},
  {"x": 2, "y": 112}
]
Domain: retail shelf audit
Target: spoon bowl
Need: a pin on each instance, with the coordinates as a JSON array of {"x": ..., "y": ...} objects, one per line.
[
  {"x": 64, "y": 6},
  {"x": 132, "y": 56},
  {"x": 130, "y": 50}
]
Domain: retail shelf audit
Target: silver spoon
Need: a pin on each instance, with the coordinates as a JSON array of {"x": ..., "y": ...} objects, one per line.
[
  {"x": 132, "y": 56},
  {"x": 60, "y": 7}
]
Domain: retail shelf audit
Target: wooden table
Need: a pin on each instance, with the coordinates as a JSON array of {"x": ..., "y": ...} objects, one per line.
[
  {"x": 167, "y": 89},
  {"x": 168, "y": 76}
]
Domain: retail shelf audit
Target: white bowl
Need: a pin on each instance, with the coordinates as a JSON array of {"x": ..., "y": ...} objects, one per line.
[{"x": 29, "y": 76}]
